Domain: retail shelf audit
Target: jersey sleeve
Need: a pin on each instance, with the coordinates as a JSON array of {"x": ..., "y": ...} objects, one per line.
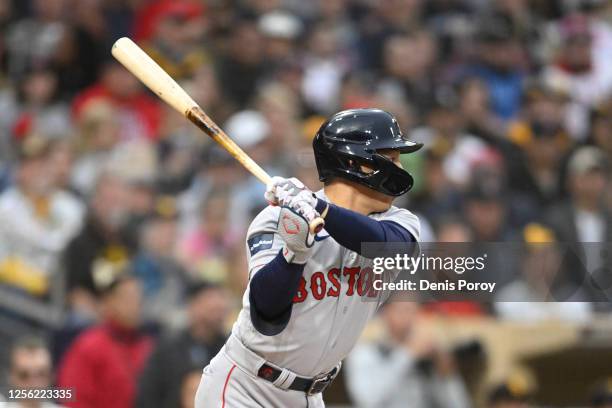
[
  {"x": 405, "y": 219},
  {"x": 262, "y": 241},
  {"x": 410, "y": 223}
]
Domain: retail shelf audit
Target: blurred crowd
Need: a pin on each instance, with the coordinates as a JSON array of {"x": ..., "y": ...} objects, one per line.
[{"x": 113, "y": 200}]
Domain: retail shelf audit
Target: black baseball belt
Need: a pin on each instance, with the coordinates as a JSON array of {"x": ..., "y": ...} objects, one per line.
[
  {"x": 310, "y": 386},
  {"x": 285, "y": 379}
]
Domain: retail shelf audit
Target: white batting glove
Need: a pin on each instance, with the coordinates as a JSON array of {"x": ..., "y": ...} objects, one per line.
[
  {"x": 281, "y": 191},
  {"x": 304, "y": 204},
  {"x": 294, "y": 230}
]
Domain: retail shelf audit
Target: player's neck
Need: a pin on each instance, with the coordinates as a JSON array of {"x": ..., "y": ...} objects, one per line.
[{"x": 356, "y": 197}]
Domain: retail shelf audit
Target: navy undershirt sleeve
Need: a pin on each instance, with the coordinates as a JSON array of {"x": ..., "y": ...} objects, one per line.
[
  {"x": 272, "y": 290},
  {"x": 350, "y": 228}
]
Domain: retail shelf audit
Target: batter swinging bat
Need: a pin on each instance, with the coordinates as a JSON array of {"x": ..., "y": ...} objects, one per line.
[{"x": 157, "y": 80}]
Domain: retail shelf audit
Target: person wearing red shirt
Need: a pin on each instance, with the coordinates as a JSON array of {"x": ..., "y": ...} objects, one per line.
[
  {"x": 139, "y": 114},
  {"x": 103, "y": 364}
]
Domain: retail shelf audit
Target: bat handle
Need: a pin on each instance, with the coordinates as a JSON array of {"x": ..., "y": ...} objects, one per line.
[{"x": 316, "y": 225}]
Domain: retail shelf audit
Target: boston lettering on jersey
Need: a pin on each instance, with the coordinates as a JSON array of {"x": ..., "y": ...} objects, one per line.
[{"x": 349, "y": 281}]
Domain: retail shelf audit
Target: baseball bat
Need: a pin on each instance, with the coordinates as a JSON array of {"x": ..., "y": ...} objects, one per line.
[{"x": 132, "y": 57}]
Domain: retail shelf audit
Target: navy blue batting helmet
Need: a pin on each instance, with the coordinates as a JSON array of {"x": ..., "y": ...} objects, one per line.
[{"x": 355, "y": 137}]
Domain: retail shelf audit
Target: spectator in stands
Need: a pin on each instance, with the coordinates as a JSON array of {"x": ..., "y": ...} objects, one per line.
[
  {"x": 101, "y": 243},
  {"x": 98, "y": 133},
  {"x": 393, "y": 371},
  {"x": 477, "y": 111},
  {"x": 82, "y": 48},
  {"x": 178, "y": 28},
  {"x": 524, "y": 22},
  {"x": 36, "y": 107},
  {"x": 266, "y": 137},
  {"x": 281, "y": 31},
  {"x": 485, "y": 209},
  {"x": 324, "y": 68},
  {"x": 208, "y": 92},
  {"x": 576, "y": 69},
  {"x": 104, "y": 363},
  {"x": 178, "y": 355},
  {"x": 438, "y": 197},
  {"x": 541, "y": 141},
  {"x": 102, "y": 237},
  {"x": 217, "y": 171},
  {"x": 139, "y": 114},
  {"x": 242, "y": 64},
  {"x": 408, "y": 61},
  {"x": 500, "y": 65},
  {"x": 30, "y": 368},
  {"x": 162, "y": 277},
  {"x": 335, "y": 13},
  {"x": 32, "y": 41},
  {"x": 585, "y": 219},
  {"x": 454, "y": 236},
  {"x": 445, "y": 136},
  {"x": 37, "y": 219},
  {"x": 541, "y": 292},
  {"x": 203, "y": 249},
  {"x": 381, "y": 20}
]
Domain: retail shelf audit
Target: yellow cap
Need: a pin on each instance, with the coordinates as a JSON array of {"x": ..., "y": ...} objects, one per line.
[{"x": 535, "y": 233}]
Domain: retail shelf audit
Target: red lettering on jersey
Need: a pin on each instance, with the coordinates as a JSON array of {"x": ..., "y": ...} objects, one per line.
[
  {"x": 365, "y": 283},
  {"x": 333, "y": 275},
  {"x": 372, "y": 292},
  {"x": 352, "y": 274},
  {"x": 360, "y": 288},
  {"x": 360, "y": 281},
  {"x": 302, "y": 293},
  {"x": 318, "y": 285}
]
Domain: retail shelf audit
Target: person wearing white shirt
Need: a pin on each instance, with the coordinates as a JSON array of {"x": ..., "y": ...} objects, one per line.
[{"x": 391, "y": 373}]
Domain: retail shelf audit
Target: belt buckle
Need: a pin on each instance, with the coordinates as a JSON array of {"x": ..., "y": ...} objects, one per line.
[{"x": 319, "y": 384}]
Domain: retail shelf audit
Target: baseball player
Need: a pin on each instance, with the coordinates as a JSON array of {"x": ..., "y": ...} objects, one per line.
[{"x": 308, "y": 297}]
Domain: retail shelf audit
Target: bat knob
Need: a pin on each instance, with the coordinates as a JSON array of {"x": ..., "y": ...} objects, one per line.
[{"x": 316, "y": 225}]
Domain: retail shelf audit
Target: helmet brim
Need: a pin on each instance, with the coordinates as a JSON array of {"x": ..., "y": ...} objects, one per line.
[{"x": 405, "y": 146}]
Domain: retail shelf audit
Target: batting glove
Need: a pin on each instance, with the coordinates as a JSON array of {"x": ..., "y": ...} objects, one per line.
[
  {"x": 294, "y": 230},
  {"x": 281, "y": 191}
]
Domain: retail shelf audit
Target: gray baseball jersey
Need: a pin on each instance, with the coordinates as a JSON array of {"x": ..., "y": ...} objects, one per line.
[{"x": 330, "y": 308}]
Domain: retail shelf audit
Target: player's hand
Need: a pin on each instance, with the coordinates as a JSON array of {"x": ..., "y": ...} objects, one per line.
[
  {"x": 282, "y": 191},
  {"x": 293, "y": 228}
]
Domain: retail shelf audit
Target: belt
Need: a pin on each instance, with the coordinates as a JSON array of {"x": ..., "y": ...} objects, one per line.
[
  {"x": 310, "y": 386},
  {"x": 282, "y": 378}
]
